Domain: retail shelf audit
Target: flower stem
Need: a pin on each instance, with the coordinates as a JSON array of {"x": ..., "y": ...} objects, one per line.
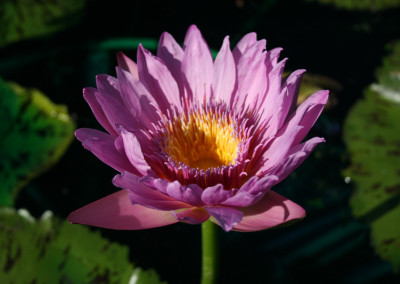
[{"x": 210, "y": 253}]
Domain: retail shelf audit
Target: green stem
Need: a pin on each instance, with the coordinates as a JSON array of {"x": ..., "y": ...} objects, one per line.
[{"x": 210, "y": 253}]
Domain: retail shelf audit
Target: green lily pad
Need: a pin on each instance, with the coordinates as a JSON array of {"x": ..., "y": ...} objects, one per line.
[
  {"x": 371, "y": 5},
  {"x": 34, "y": 134},
  {"x": 25, "y": 19},
  {"x": 52, "y": 251},
  {"x": 371, "y": 132}
]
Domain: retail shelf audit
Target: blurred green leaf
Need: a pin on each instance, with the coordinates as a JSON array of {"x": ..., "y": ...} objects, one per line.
[
  {"x": 23, "y": 19},
  {"x": 52, "y": 251},
  {"x": 34, "y": 134},
  {"x": 371, "y": 5},
  {"x": 371, "y": 132}
]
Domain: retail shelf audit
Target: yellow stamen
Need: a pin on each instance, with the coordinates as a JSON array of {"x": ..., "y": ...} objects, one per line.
[{"x": 202, "y": 140}]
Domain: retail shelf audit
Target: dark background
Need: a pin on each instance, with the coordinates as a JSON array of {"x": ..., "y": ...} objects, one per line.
[{"x": 346, "y": 46}]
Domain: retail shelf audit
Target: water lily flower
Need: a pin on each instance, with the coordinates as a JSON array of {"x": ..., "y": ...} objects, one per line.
[{"x": 195, "y": 138}]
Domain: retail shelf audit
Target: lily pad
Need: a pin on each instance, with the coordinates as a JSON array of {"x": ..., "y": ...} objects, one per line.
[
  {"x": 34, "y": 134},
  {"x": 57, "y": 252},
  {"x": 371, "y": 132},
  {"x": 25, "y": 19},
  {"x": 371, "y": 5}
]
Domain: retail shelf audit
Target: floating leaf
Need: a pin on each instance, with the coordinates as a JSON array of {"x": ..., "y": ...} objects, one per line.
[
  {"x": 371, "y": 133},
  {"x": 34, "y": 134},
  {"x": 371, "y": 5},
  {"x": 52, "y": 251},
  {"x": 25, "y": 19}
]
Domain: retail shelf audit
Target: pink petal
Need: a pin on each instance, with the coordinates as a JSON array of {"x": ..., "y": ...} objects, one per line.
[
  {"x": 134, "y": 152},
  {"x": 117, "y": 212},
  {"x": 103, "y": 148},
  {"x": 192, "y": 215},
  {"x": 137, "y": 99},
  {"x": 146, "y": 196},
  {"x": 90, "y": 95},
  {"x": 171, "y": 53},
  {"x": 251, "y": 76},
  {"x": 271, "y": 211},
  {"x": 117, "y": 113},
  {"x": 296, "y": 157},
  {"x": 306, "y": 114},
  {"x": 158, "y": 80},
  {"x": 251, "y": 192},
  {"x": 246, "y": 41},
  {"x": 127, "y": 64},
  {"x": 197, "y": 66},
  {"x": 190, "y": 194},
  {"x": 216, "y": 194},
  {"x": 109, "y": 85},
  {"x": 226, "y": 217},
  {"x": 224, "y": 74}
]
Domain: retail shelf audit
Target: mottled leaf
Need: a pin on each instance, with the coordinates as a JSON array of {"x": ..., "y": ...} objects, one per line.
[
  {"x": 52, "y": 251},
  {"x": 34, "y": 134},
  {"x": 372, "y": 134},
  {"x": 23, "y": 19}
]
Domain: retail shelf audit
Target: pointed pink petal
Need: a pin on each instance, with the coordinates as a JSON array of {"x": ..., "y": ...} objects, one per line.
[
  {"x": 134, "y": 151},
  {"x": 103, "y": 148},
  {"x": 197, "y": 65},
  {"x": 271, "y": 211},
  {"x": 296, "y": 157},
  {"x": 108, "y": 85},
  {"x": 117, "y": 113},
  {"x": 137, "y": 99},
  {"x": 171, "y": 53},
  {"x": 127, "y": 64},
  {"x": 192, "y": 215},
  {"x": 251, "y": 76},
  {"x": 146, "y": 196},
  {"x": 90, "y": 95},
  {"x": 224, "y": 74},
  {"x": 306, "y": 114},
  {"x": 158, "y": 80},
  {"x": 226, "y": 217},
  {"x": 246, "y": 41},
  {"x": 277, "y": 105},
  {"x": 117, "y": 212}
]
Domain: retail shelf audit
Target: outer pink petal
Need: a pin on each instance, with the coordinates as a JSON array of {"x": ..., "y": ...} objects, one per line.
[
  {"x": 271, "y": 211},
  {"x": 117, "y": 212},
  {"x": 224, "y": 74},
  {"x": 90, "y": 95},
  {"x": 103, "y": 148},
  {"x": 226, "y": 217},
  {"x": 158, "y": 80},
  {"x": 127, "y": 64},
  {"x": 197, "y": 66},
  {"x": 146, "y": 196},
  {"x": 193, "y": 215}
]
